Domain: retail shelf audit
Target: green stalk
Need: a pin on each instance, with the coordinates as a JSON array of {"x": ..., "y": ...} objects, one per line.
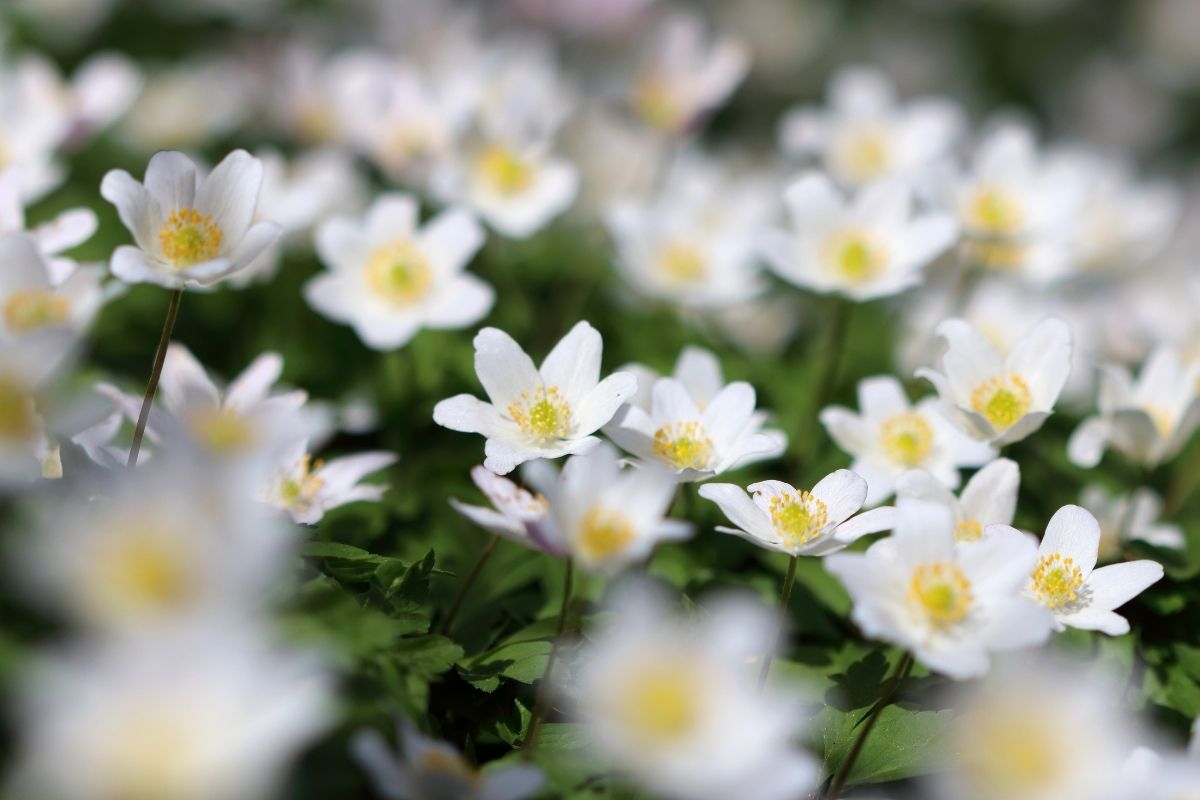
[
  {"x": 468, "y": 582},
  {"x": 160, "y": 357},
  {"x": 899, "y": 674},
  {"x": 785, "y": 595},
  {"x": 542, "y": 703}
]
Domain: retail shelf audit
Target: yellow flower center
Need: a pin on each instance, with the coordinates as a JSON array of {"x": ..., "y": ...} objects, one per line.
[
  {"x": 452, "y": 764},
  {"x": 399, "y": 273},
  {"x": 1005, "y": 256},
  {"x": 1008, "y": 754},
  {"x": 34, "y": 309},
  {"x": 657, "y": 103},
  {"x": 142, "y": 569},
  {"x": 299, "y": 490},
  {"x": 865, "y": 155},
  {"x": 907, "y": 438},
  {"x": 798, "y": 518},
  {"x": 682, "y": 262},
  {"x": 969, "y": 530},
  {"x": 603, "y": 533},
  {"x": 505, "y": 170},
  {"x": 684, "y": 445},
  {"x": 18, "y": 419},
  {"x": 1002, "y": 400},
  {"x": 941, "y": 593},
  {"x": 189, "y": 238},
  {"x": 220, "y": 430},
  {"x": 542, "y": 414},
  {"x": 857, "y": 256},
  {"x": 153, "y": 755},
  {"x": 661, "y": 702},
  {"x": 994, "y": 211},
  {"x": 1056, "y": 581},
  {"x": 1164, "y": 421}
]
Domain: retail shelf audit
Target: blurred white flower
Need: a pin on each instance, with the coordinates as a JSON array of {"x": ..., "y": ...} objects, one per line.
[
  {"x": 672, "y": 704},
  {"x": 866, "y": 134},
  {"x": 545, "y": 412},
  {"x": 989, "y": 498},
  {"x": 188, "y": 229},
  {"x": 389, "y": 277},
  {"x": 797, "y": 522},
  {"x": 604, "y": 516},
  {"x": 1148, "y": 420},
  {"x": 30, "y": 299},
  {"x": 869, "y": 246},
  {"x": 429, "y": 769},
  {"x": 889, "y": 436},
  {"x": 694, "y": 241},
  {"x": 1067, "y": 582},
  {"x": 32, "y": 126},
  {"x": 1153, "y": 776},
  {"x": 27, "y": 368},
  {"x": 948, "y": 604},
  {"x": 697, "y": 437},
  {"x": 997, "y": 398},
  {"x": 214, "y": 714},
  {"x": 685, "y": 74},
  {"x": 516, "y": 514},
  {"x": 65, "y": 231},
  {"x": 1129, "y": 516},
  {"x": 188, "y": 104},
  {"x": 101, "y": 90},
  {"x": 306, "y": 489}
]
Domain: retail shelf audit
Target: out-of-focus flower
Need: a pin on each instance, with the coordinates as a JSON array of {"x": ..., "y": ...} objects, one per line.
[
  {"x": 685, "y": 74},
  {"x": 97, "y": 95},
  {"x": 60, "y": 20},
  {"x": 151, "y": 550},
  {"x": 989, "y": 498},
  {"x": 617, "y": 158},
  {"x": 516, "y": 513},
  {"x": 1148, "y": 421},
  {"x": 67, "y": 230},
  {"x": 389, "y": 277},
  {"x": 1153, "y": 776},
  {"x": 948, "y": 604},
  {"x": 545, "y": 412},
  {"x": 871, "y": 246},
  {"x": 213, "y": 714},
  {"x": 1001, "y": 399},
  {"x": 32, "y": 126},
  {"x": 1038, "y": 729},
  {"x": 604, "y": 516},
  {"x": 889, "y": 436},
  {"x": 797, "y": 522},
  {"x": 1067, "y": 582},
  {"x": 763, "y": 326},
  {"x": 31, "y": 301},
  {"x": 27, "y": 367},
  {"x": 1124, "y": 517},
  {"x": 188, "y": 105},
  {"x": 189, "y": 230},
  {"x": 694, "y": 438},
  {"x": 866, "y": 134},
  {"x": 694, "y": 242},
  {"x": 306, "y": 489},
  {"x": 671, "y": 702},
  {"x": 610, "y": 19},
  {"x": 431, "y": 770}
]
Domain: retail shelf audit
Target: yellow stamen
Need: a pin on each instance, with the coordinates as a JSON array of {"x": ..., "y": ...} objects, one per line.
[
  {"x": 1008, "y": 754},
  {"x": 684, "y": 445},
  {"x": 969, "y": 530},
  {"x": 798, "y": 518},
  {"x": 142, "y": 568},
  {"x": 907, "y": 438},
  {"x": 656, "y": 102},
  {"x": 1002, "y": 400},
  {"x": 505, "y": 170},
  {"x": 941, "y": 593},
  {"x": 603, "y": 533},
  {"x": 220, "y": 430},
  {"x": 542, "y": 414},
  {"x": 1056, "y": 581},
  {"x": 858, "y": 256},
  {"x": 189, "y": 238},
  {"x": 300, "y": 490},
  {"x": 661, "y": 702},
  {"x": 34, "y": 309},
  {"x": 865, "y": 155},
  {"x": 18, "y": 419},
  {"x": 682, "y": 262},
  {"x": 399, "y": 273},
  {"x": 995, "y": 211}
]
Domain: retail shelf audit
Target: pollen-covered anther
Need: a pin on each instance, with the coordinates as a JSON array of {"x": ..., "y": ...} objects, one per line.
[
  {"x": 798, "y": 517},
  {"x": 604, "y": 533},
  {"x": 34, "y": 309},
  {"x": 1002, "y": 400},
  {"x": 684, "y": 445},
  {"x": 189, "y": 238},
  {"x": 969, "y": 530},
  {"x": 856, "y": 255},
  {"x": 907, "y": 438},
  {"x": 941, "y": 593},
  {"x": 682, "y": 262},
  {"x": 543, "y": 415},
  {"x": 995, "y": 212},
  {"x": 505, "y": 170},
  {"x": 1056, "y": 580},
  {"x": 865, "y": 155},
  {"x": 398, "y": 273},
  {"x": 300, "y": 488}
]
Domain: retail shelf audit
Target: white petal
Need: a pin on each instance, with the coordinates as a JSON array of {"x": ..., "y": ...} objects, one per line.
[
  {"x": 171, "y": 180},
  {"x": 737, "y": 506},
  {"x": 873, "y": 521},
  {"x": 1086, "y": 446},
  {"x": 881, "y": 397},
  {"x": 463, "y": 302},
  {"x": 842, "y": 492},
  {"x": 1073, "y": 533},
  {"x": 1042, "y": 357},
  {"x": 503, "y": 367},
  {"x": 254, "y": 384},
  {"x": 451, "y": 239},
  {"x": 230, "y": 194},
  {"x": 392, "y": 217},
  {"x": 601, "y": 403},
  {"x": 1115, "y": 585},
  {"x": 574, "y": 363},
  {"x": 470, "y": 415},
  {"x": 991, "y": 494}
]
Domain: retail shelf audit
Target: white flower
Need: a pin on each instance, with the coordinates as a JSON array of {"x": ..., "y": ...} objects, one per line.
[
  {"x": 516, "y": 513},
  {"x": 697, "y": 369},
  {"x": 1124, "y": 517},
  {"x": 1001, "y": 399},
  {"x": 694, "y": 241},
  {"x": 433, "y": 770},
  {"x": 866, "y": 134},
  {"x": 889, "y": 436},
  {"x": 1067, "y": 582},
  {"x": 685, "y": 75},
  {"x": 606, "y": 517},
  {"x": 545, "y": 412},
  {"x": 1148, "y": 420},
  {"x": 1151, "y": 776},
  {"x": 306, "y": 489},
  {"x": 189, "y": 230},
  {"x": 870, "y": 246},
  {"x": 797, "y": 522},
  {"x": 989, "y": 498},
  {"x": 214, "y": 714},
  {"x": 32, "y": 127},
  {"x": 27, "y": 368},
  {"x": 697, "y": 443},
  {"x": 31, "y": 301},
  {"x": 67, "y": 230},
  {"x": 189, "y": 104},
  {"x": 671, "y": 703},
  {"x": 948, "y": 604}
]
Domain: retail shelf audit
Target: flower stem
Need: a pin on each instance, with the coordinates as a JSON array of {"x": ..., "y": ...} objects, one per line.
[
  {"x": 827, "y": 372},
  {"x": 160, "y": 357},
  {"x": 899, "y": 674},
  {"x": 542, "y": 703},
  {"x": 785, "y": 595},
  {"x": 468, "y": 582}
]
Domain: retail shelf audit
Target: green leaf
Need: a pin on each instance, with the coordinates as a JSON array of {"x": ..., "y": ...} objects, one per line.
[{"x": 902, "y": 744}]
